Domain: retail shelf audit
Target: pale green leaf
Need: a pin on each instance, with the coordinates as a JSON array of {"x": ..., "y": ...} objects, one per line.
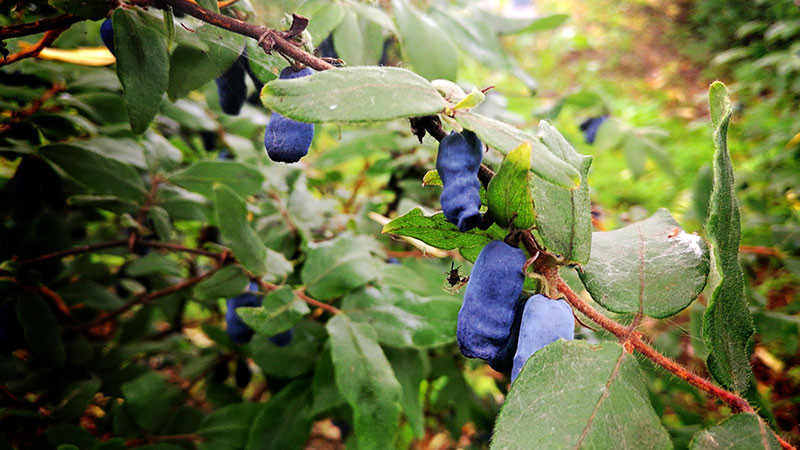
[
  {"x": 740, "y": 432},
  {"x": 509, "y": 195},
  {"x": 237, "y": 232},
  {"x": 426, "y": 44}
]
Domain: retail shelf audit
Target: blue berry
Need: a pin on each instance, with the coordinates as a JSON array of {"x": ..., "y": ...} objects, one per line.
[
  {"x": 232, "y": 88},
  {"x": 590, "y": 127},
  {"x": 487, "y": 314},
  {"x": 288, "y": 140},
  {"x": 457, "y": 163},
  {"x": 544, "y": 321},
  {"x": 107, "y": 35},
  {"x": 239, "y": 332}
]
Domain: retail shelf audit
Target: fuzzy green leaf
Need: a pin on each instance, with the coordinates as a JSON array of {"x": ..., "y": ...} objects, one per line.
[
  {"x": 727, "y": 324},
  {"x": 509, "y": 195},
  {"x": 354, "y": 94},
  {"x": 652, "y": 267},
  {"x": 572, "y": 394},
  {"x": 427, "y": 45},
  {"x": 740, "y": 432},
  {"x": 237, "y": 232}
]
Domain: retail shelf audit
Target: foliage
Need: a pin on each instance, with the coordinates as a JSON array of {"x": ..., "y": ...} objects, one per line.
[{"x": 133, "y": 206}]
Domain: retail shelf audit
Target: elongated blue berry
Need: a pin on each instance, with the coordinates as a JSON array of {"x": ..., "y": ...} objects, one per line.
[
  {"x": 458, "y": 162},
  {"x": 107, "y": 35},
  {"x": 590, "y": 126},
  {"x": 288, "y": 140},
  {"x": 487, "y": 314},
  {"x": 505, "y": 358},
  {"x": 544, "y": 320},
  {"x": 232, "y": 88}
]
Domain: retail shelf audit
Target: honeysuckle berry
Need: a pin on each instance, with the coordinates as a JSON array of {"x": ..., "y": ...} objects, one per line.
[
  {"x": 544, "y": 321},
  {"x": 288, "y": 140},
  {"x": 457, "y": 163},
  {"x": 487, "y": 314}
]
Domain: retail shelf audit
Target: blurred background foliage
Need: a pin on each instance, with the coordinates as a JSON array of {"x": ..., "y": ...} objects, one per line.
[{"x": 646, "y": 64}]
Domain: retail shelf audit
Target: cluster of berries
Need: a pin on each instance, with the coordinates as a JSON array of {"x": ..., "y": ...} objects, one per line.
[{"x": 496, "y": 323}]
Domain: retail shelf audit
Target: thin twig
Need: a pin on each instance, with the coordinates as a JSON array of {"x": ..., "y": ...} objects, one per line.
[
  {"x": 330, "y": 308},
  {"x": 17, "y": 116},
  {"x": 27, "y": 29},
  {"x": 34, "y": 49},
  {"x": 268, "y": 38},
  {"x": 77, "y": 250},
  {"x": 145, "y": 299}
]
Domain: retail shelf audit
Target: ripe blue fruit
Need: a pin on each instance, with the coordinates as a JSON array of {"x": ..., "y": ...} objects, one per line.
[
  {"x": 544, "y": 320},
  {"x": 487, "y": 314},
  {"x": 457, "y": 163},
  {"x": 288, "y": 140},
  {"x": 107, "y": 35},
  {"x": 590, "y": 127},
  {"x": 232, "y": 88},
  {"x": 239, "y": 332},
  {"x": 504, "y": 360}
]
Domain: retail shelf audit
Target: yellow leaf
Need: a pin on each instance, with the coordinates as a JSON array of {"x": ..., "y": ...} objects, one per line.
[{"x": 92, "y": 56}]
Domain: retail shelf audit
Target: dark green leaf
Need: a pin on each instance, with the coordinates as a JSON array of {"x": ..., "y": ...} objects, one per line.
[
  {"x": 571, "y": 395},
  {"x": 652, "y": 267},
  {"x": 334, "y": 267},
  {"x": 201, "y": 177},
  {"x": 427, "y": 45},
  {"x": 237, "y": 232},
  {"x": 90, "y": 294},
  {"x": 101, "y": 174},
  {"x": 354, "y": 94},
  {"x": 280, "y": 310},
  {"x": 504, "y": 138},
  {"x": 197, "y": 62},
  {"x": 142, "y": 64},
  {"x": 436, "y": 231},
  {"x": 296, "y": 359},
  {"x": 41, "y": 329},
  {"x": 410, "y": 366},
  {"x": 366, "y": 381},
  {"x": 230, "y": 281},
  {"x": 150, "y": 399},
  {"x": 284, "y": 422},
  {"x": 727, "y": 324},
  {"x": 229, "y": 426},
  {"x": 404, "y": 319},
  {"x": 563, "y": 216}
]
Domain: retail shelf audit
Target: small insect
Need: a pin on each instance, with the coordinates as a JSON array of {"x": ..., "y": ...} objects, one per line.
[
  {"x": 454, "y": 279},
  {"x": 675, "y": 231}
]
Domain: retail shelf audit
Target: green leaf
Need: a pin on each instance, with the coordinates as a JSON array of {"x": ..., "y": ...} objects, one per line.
[
  {"x": 142, "y": 64},
  {"x": 436, "y": 231},
  {"x": 504, "y": 138},
  {"x": 572, "y": 394},
  {"x": 284, "y": 422},
  {"x": 410, "y": 367},
  {"x": 324, "y": 16},
  {"x": 152, "y": 264},
  {"x": 326, "y": 394},
  {"x": 198, "y": 61},
  {"x": 402, "y": 318},
  {"x": 432, "y": 178},
  {"x": 150, "y": 399},
  {"x": 303, "y": 351},
  {"x": 228, "y": 282},
  {"x": 101, "y": 174},
  {"x": 201, "y": 177},
  {"x": 652, "y": 267},
  {"x": 160, "y": 218},
  {"x": 72, "y": 406},
  {"x": 428, "y": 47},
  {"x": 355, "y": 41},
  {"x": 740, "y": 432},
  {"x": 508, "y": 196},
  {"x": 366, "y": 381},
  {"x": 237, "y": 232},
  {"x": 41, "y": 329},
  {"x": 544, "y": 23},
  {"x": 229, "y": 426},
  {"x": 280, "y": 310},
  {"x": 563, "y": 216},
  {"x": 354, "y": 94},
  {"x": 373, "y": 14},
  {"x": 334, "y": 267},
  {"x": 727, "y": 324},
  {"x": 475, "y": 38},
  {"x": 91, "y": 294}
]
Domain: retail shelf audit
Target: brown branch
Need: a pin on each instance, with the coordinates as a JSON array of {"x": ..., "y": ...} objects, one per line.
[
  {"x": 759, "y": 250},
  {"x": 26, "y": 29},
  {"x": 330, "y": 308},
  {"x": 17, "y": 116},
  {"x": 34, "y": 49},
  {"x": 268, "y": 38},
  {"x": 77, "y": 250},
  {"x": 179, "y": 248},
  {"x": 147, "y": 298}
]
